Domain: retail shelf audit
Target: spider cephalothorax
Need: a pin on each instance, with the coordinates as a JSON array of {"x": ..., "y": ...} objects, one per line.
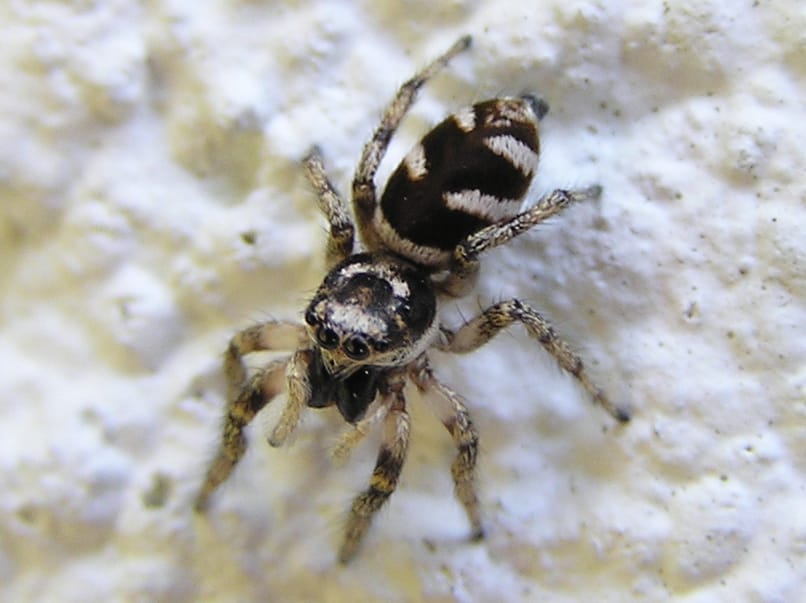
[
  {"x": 373, "y": 319},
  {"x": 371, "y": 309}
]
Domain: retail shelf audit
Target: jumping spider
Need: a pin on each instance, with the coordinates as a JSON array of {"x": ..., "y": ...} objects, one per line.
[{"x": 370, "y": 325}]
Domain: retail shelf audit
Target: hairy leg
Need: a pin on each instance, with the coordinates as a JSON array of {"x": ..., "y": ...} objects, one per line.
[
  {"x": 452, "y": 412},
  {"x": 478, "y": 331},
  {"x": 341, "y": 233},
  {"x": 270, "y": 335},
  {"x": 298, "y": 385},
  {"x": 465, "y": 264},
  {"x": 246, "y": 397},
  {"x": 355, "y": 433},
  {"x": 241, "y": 409},
  {"x": 384, "y": 478},
  {"x": 364, "y": 196}
]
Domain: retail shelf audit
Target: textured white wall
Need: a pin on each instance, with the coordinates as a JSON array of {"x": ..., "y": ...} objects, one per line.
[{"x": 152, "y": 203}]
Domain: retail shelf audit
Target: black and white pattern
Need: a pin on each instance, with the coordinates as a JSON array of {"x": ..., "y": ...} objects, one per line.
[
  {"x": 470, "y": 171},
  {"x": 369, "y": 327}
]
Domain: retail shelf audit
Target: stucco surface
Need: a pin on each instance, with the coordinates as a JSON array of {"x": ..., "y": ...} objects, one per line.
[{"x": 152, "y": 203}]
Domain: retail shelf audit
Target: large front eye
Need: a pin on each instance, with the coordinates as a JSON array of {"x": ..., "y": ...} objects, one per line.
[
  {"x": 356, "y": 348},
  {"x": 310, "y": 318},
  {"x": 327, "y": 338}
]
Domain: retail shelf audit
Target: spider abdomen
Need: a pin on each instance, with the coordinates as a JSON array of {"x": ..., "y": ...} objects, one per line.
[{"x": 470, "y": 171}]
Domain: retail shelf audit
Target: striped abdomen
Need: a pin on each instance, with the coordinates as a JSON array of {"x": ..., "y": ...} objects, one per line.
[{"x": 470, "y": 171}]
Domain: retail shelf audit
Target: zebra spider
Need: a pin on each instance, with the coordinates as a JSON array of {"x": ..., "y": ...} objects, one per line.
[{"x": 370, "y": 324}]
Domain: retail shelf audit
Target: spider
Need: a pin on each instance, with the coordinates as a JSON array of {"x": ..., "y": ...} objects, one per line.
[{"x": 370, "y": 324}]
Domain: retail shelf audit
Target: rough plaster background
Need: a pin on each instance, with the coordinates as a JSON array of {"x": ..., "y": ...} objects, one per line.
[{"x": 152, "y": 203}]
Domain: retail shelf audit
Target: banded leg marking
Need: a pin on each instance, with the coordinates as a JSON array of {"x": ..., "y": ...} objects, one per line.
[
  {"x": 465, "y": 264},
  {"x": 342, "y": 231},
  {"x": 452, "y": 412},
  {"x": 384, "y": 478},
  {"x": 271, "y": 335},
  {"x": 299, "y": 393},
  {"x": 478, "y": 331},
  {"x": 363, "y": 189},
  {"x": 241, "y": 409}
]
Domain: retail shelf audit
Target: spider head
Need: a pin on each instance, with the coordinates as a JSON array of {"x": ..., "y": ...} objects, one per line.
[{"x": 371, "y": 309}]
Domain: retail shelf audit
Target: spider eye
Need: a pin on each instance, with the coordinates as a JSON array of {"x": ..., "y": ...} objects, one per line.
[
  {"x": 327, "y": 338},
  {"x": 311, "y": 318},
  {"x": 356, "y": 348}
]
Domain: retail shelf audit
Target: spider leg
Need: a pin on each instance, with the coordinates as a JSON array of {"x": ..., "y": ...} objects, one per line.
[
  {"x": 241, "y": 409},
  {"x": 452, "y": 412},
  {"x": 245, "y": 398},
  {"x": 270, "y": 335},
  {"x": 298, "y": 384},
  {"x": 341, "y": 234},
  {"x": 392, "y": 455},
  {"x": 355, "y": 433},
  {"x": 464, "y": 262},
  {"x": 478, "y": 331},
  {"x": 364, "y": 195}
]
